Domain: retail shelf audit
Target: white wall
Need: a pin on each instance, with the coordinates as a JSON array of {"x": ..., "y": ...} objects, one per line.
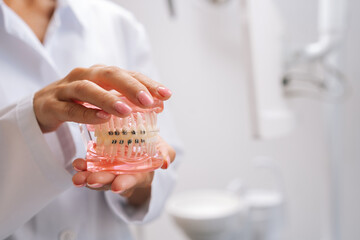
[{"x": 199, "y": 57}]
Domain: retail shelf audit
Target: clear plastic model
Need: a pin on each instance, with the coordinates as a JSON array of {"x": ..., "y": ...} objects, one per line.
[{"x": 125, "y": 145}]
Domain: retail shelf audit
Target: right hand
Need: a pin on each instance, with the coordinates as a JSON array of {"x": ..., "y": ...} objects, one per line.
[{"x": 61, "y": 101}]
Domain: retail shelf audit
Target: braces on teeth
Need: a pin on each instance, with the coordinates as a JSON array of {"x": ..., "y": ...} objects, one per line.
[
  {"x": 127, "y": 138},
  {"x": 125, "y": 145}
]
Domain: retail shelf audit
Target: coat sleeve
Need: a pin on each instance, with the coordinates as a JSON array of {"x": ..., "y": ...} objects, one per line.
[
  {"x": 139, "y": 55},
  {"x": 30, "y": 175}
]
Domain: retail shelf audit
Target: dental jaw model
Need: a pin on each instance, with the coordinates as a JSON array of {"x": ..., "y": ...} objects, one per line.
[{"x": 125, "y": 145}]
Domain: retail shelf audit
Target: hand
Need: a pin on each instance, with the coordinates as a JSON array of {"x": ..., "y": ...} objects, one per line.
[
  {"x": 135, "y": 187},
  {"x": 62, "y": 100}
]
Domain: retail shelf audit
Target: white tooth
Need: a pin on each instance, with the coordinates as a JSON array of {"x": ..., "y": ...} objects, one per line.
[
  {"x": 136, "y": 150},
  {"x": 125, "y": 137},
  {"x": 130, "y": 148},
  {"x": 107, "y": 138},
  {"x": 152, "y": 149},
  {"x": 154, "y": 117},
  {"x": 133, "y": 122},
  {"x": 132, "y": 136},
  {"x": 139, "y": 120},
  {"x": 125, "y": 122},
  {"x": 117, "y": 122},
  {"x": 148, "y": 133},
  {"x": 97, "y": 130},
  {"x": 114, "y": 137},
  {"x": 155, "y": 144},
  {"x": 117, "y": 126},
  {"x": 111, "y": 124},
  {"x": 101, "y": 139},
  {"x": 114, "y": 147},
  {"x": 139, "y": 133},
  {"x": 122, "y": 148},
  {"x": 141, "y": 146},
  {"x": 107, "y": 148},
  {"x": 147, "y": 121},
  {"x": 96, "y": 134},
  {"x": 148, "y": 146},
  {"x": 153, "y": 120},
  {"x": 136, "y": 145}
]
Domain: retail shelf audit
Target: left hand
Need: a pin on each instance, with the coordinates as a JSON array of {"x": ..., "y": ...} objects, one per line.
[{"x": 136, "y": 187}]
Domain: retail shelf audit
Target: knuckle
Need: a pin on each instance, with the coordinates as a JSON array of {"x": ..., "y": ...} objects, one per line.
[
  {"x": 87, "y": 114},
  {"x": 106, "y": 102},
  {"x": 71, "y": 111},
  {"x": 80, "y": 87},
  {"x": 135, "y": 74},
  {"x": 135, "y": 86},
  {"x": 59, "y": 90},
  {"x": 110, "y": 71},
  {"x": 145, "y": 80},
  {"x": 76, "y": 72}
]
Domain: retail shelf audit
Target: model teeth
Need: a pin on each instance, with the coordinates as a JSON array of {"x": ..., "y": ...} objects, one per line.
[{"x": 131, "y": 137}]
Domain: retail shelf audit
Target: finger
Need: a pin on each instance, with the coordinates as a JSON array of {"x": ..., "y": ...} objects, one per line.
[
  {"x": 102, "y": 188},
  {"x": 128, "y": 193},
  {"x": 100, "y": 179},
  {"x": 167, "y": 152},
  {"x": 124, "y": 183},
  {"x": 90, "y": 92},
  {"x": 166, "y": 163},
  {"x": 73, "y": 112},
  {"x": 120, "y": 80},
  {"x": 165, "y": 155},
  {"x": 79, "y": 179},
  {"x": 156, "y": 89},
  {"x": 79, "y": 164}
]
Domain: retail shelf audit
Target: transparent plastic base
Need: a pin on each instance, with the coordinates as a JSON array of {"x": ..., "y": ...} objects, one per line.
[{"x": 117, "y": 165}]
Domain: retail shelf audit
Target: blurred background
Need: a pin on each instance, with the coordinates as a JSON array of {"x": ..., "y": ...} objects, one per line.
[{"x": 200, "y": 49}]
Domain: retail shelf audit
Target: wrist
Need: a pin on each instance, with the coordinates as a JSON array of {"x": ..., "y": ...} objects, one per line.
[{"x": 140, "y": 196}]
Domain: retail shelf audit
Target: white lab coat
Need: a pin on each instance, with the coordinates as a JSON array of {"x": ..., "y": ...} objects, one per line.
[{"x": 37, "y": 198}]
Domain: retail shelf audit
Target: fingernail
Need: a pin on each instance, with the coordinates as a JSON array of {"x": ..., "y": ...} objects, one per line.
[
  {"x": 122, "y": 108},
  {"x": 76, "y": 169},
  {"x": 95, "y": 185},
  {"x": 118, "y": 192},
  {"x": 103, "y": 115},
  {"x": 79, "y": 186},
  {"x": 166, "y": 163},
  {"x": 164, "y": 92},
  {"x": 145, "y": 99}
]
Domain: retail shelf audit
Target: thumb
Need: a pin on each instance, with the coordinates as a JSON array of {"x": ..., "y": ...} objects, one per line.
[{"x": 163, "y": 149}]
